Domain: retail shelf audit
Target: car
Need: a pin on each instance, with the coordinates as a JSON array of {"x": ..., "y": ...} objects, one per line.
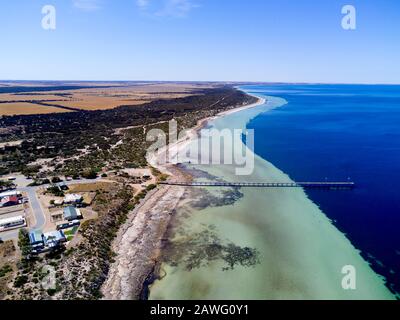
[{"x": 68, "y": 225}]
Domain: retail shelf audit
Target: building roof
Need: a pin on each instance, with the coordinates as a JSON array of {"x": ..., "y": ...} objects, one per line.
[
  {"x": 73, "y": 198},
  {"x": 71, "y": 213},
  {"x": 12, "y": 220},
  {"x": 56, "y": 234},
  {"x": 35, "y": 237},
  {"x": 53, "y": 238},
  {"x": 4, "y": 200},
  {"x": 9, "y": 200},
  {"x": 10, "y": 194}
]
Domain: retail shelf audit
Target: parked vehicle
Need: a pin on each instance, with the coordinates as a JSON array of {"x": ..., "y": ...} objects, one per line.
[{"x": 68, "y": 225}]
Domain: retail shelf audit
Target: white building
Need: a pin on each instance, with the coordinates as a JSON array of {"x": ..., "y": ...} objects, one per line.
[
  {"x": 73, "y": 198},
  {"x": 11, "y": 223},
  {"x": 10, "y": 194}
]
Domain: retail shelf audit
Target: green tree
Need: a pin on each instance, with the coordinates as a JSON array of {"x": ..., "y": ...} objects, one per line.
[
  {"x": 56, "y": 180},
  {"x": 89, "y": 174},
  {"x": 24, "y": 243}
]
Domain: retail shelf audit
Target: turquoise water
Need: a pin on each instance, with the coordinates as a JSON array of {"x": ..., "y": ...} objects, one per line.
[
  {"x": 333, "y": 132},
  {"x": 256, "y": 243}
]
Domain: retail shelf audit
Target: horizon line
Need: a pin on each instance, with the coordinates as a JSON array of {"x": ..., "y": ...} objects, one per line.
[{"x": 208, "y": 81}]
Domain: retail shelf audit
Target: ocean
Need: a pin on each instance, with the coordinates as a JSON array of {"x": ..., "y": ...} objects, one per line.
[
  {"x": 277, "y": 243},
  {"x": 336, "y": 133}
]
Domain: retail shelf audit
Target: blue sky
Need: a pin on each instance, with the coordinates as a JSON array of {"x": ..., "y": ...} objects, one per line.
[{"x": 227, "y": 40}]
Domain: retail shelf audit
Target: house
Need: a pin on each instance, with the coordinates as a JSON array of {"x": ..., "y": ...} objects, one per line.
[
  {"x": 73, "y": 199},
  {"x": 9, "y": 201},
  {"x": 54, "y": 239},
  {"x": 11, "y": 223},
  {"x": 36, "y": 240},
  {"x": 10, "y": 194},
  {"x": 58, "y": 202},
  {"x": 41, "y": 242},
  {"x": 72, "y": 213}
]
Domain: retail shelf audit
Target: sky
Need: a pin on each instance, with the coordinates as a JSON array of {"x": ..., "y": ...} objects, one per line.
[{"x": 201, "y": 40}]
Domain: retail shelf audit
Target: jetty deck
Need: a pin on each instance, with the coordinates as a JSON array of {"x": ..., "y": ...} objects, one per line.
[{"x": 305, "y": 185}]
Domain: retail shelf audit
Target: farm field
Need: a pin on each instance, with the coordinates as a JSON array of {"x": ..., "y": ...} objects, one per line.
[
  {"x": 87, "y": 96},
  {"x": 21, "y": 108}
]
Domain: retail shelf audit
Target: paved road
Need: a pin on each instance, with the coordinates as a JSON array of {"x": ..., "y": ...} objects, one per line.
[
  {"x": 9, "y": 235},
  {"x": 37, "y": 209}
]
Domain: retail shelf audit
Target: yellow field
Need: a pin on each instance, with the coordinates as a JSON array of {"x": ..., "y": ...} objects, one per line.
[
  {"x": 18, "y": 108},
  {"x": 91, "y": 187},
  {"x": 29, "y": 97},
  {"x": 95, "y": 98}
]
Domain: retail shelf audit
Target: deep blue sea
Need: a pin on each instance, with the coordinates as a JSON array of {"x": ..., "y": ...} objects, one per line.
[{"x": 337, "y": 132}]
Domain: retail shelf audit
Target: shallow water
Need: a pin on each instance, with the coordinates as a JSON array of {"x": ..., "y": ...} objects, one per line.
[{"x": 257, "y": 243}]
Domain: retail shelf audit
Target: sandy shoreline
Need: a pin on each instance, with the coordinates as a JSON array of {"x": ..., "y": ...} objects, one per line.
[
  {"x": 138, "y": 244},
  {"x": 139, "y": 241}
]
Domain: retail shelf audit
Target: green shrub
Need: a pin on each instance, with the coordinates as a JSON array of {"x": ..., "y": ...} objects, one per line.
[
  {"x": 20, "y": 281},
  {"x": 151, "y": 187},
  {"x": 5, "y": 270},
  {"x": 51, "y": 292},
  {"x": 24, "y": 243},
  {"x": 89, "y": 174},
  {"x": 56, "y": 180},
  {"x": 55, "y": 191}
]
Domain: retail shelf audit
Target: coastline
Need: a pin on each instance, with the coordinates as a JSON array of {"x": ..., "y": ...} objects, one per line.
[
  {"x": 138, "y": 245},
  {"x": 302, "y": 254},
  {"x": 305, "y": 254},
  {"x": 192, "y": 133},
  {"x": 142, "y": 235}
]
